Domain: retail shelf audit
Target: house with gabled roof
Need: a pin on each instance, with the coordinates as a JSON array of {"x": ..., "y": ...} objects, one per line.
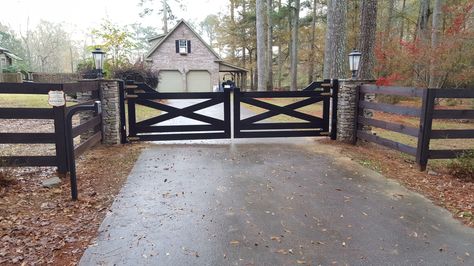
[
  {"x": 7, "y": 58},
  {"x": 186, "y": 63}
]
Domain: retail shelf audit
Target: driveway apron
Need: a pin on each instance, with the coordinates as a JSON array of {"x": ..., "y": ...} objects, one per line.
[{"x": 270, "y": 202}]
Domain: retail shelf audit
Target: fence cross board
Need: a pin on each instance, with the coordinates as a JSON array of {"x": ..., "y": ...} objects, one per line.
[{"x": 156, "y": 127}]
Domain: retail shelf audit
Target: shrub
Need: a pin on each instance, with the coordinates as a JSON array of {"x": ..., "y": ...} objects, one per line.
[
  {"x": 11, "y": 69},
  {"x": 86, "y": 69},
  {"x": 463, "y": 166},
  {"x": 138, "y": 72}
]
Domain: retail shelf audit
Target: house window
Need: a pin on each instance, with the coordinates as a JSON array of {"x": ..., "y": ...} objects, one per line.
[{"x": 183, "y": 46}]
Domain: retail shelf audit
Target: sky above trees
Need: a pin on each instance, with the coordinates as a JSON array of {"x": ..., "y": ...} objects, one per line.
[{"x": 78, "y": 17}]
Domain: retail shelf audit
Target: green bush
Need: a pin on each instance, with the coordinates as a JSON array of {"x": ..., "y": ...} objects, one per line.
[
  {"x": 11, "y": 69},
  {"x": 463, "y": 166}
]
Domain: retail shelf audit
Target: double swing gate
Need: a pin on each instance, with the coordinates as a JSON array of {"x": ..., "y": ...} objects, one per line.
[{"x": 231, "y": 113}]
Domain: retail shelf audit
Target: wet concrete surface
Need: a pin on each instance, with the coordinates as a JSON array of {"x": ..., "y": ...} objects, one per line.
[{"x": 270, "y": 202}]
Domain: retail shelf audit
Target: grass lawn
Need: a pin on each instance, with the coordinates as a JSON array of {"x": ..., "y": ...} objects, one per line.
[
  {"x": 313, "y": 109},
  {"x": 435, "y": 144},
  {"x": 41, "y": 101},
  {"x": 24, "y": 100}
]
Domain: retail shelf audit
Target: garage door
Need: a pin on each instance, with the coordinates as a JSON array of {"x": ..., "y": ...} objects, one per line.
[
  {"x": 198, "y": 81},
  {"x": 170, "y": 81}
]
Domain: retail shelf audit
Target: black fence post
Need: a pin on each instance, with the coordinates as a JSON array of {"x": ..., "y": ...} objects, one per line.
[
  {"x": 424, "y": 133},
  {"x": 123, "y": 130},
  {"x": 335, "y": 93},
  {"x": 60, "y": 136}
]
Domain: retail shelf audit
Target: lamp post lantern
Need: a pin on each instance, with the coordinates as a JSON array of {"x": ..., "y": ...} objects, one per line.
[
  {"x": 98, "y": 55},
  {"x": 354, "y": 61}
]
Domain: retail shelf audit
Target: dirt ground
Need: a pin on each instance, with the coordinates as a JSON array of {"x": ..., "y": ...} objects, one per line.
[
  {"x": 437, "y": 185},
  {"x": 42, "y": 225}
]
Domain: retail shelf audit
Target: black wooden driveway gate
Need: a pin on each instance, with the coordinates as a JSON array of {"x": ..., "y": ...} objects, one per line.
[{"x": 160, "y": 127}]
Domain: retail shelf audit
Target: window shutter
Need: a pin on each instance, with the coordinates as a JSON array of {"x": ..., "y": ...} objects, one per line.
[
  {"x": 177, "y": 46},
  {"x": 189, "y": 46}
]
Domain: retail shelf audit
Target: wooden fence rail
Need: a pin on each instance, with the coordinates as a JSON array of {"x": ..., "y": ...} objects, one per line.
[
  {"x": 57, "y": 114},
  {"x": 427, "y": 113}
]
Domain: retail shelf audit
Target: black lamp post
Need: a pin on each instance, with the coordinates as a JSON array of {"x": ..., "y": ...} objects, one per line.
[
  {"x": 354, "y": 61},
  {"x": 98, "y": 55}
]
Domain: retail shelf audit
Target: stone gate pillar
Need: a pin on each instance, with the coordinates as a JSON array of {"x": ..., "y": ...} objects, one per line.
[
  {"x": 110, "y": 98},
  {"x": 109, "y": 90},
  {"x": 347, "y": 109}
]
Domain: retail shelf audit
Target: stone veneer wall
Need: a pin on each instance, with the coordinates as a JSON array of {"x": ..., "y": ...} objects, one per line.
[
  {"x": 347, "y": 109},
  {"x": 109, "y": 91},
  {"x": 110, "y": 111}
]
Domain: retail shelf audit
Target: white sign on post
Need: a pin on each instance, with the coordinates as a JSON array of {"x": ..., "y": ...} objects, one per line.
[{"x": 56, "y": 98}]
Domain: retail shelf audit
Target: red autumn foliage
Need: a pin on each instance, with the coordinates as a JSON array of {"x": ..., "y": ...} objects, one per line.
[{"x": 409, "y": 61}]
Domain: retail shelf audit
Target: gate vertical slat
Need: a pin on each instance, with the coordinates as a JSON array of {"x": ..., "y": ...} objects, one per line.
[
  {"x": 236, "y": 112},
  {"x": 227, "y": 115},
  {"x": 123, "y": 131},
  {"x": 334, "y": 98},
  {"x": 132, "y": 120},
  {"x": 326, "y": 107}
]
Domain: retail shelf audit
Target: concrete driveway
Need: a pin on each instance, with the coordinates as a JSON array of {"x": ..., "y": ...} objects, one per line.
[{"x": 270, "y": 202}]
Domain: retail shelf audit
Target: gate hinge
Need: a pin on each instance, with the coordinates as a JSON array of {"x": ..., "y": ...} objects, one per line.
[
  {"x": 131, "y": 96},
  {"x": 324, "y": 133},
  {"x": 326, "y": 84},
  {"x": 326, "y": 94},
  {"x": 133, "y": 138}
]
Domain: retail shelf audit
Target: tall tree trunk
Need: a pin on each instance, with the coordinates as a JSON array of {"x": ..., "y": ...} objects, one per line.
[
  {"x": 165, "y": 16},
  {"x": 252, "y": 84},
  {"x": 421, "y": 69},
  {"x": 232, "y": 19},
  {"x": 388, "y": 22},
  {"x": 422, "y": 27},
  {"x": 340, "y": 18},
  {"x": 280, "y": 57},
  {"x": 269, "y": 56},
  {"x": 435, "y": 33},
  {"x": 313, "y": 46},
  {"x": 294, "y": 46},
  {"x": 402, "y": 23},
  {"x": 328, "y": 41},
  {"x": 261, "y": 82},
  {"x": 368, "y": 28}
]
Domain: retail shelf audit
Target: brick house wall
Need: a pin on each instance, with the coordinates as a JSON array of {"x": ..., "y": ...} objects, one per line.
[{"x": 200, "y": 58}]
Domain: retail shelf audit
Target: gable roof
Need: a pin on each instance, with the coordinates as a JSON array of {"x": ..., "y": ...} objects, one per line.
[
  {"x": 154, "y": 38},
  {"x": 163, "y": 39},
  {"x": 9, "y": 54}
]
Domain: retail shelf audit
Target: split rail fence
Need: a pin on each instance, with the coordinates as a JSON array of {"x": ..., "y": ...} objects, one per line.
[
  {"x": 58, "y": 115},
  {"x": 426, "y": 114}
]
